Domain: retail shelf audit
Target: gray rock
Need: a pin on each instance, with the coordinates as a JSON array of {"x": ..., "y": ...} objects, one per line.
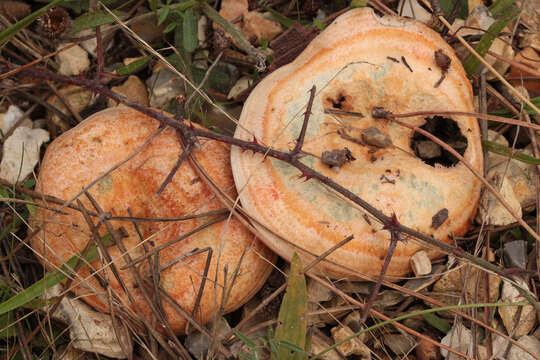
[
  {"x": 163, "y": 86},
  {"x": 459, "y": 338},
  {"x": 531, "y": 343},
  {"x": 198, "y": 344},
  {"x": 374, "y": 137},
  {"x": 515, "y": 254},
  {"x": 400, "y": 344},
  {"x": 527, "y": 320},
  {"x": 427, "y": 149}
]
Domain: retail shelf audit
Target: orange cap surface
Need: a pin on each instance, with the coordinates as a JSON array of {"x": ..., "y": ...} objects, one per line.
[
  {"x": 87, "y": 151},
  {"x": 360, "y": 62}
]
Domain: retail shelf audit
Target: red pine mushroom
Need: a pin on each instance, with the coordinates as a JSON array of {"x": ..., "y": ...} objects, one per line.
[
  {"x": 359, "y": 64},
  {"x": 87, "y": 151}
]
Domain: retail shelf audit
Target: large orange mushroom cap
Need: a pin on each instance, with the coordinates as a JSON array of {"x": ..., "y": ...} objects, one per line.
[
  {"x": 87, "y": 151},
  {"x": 360, "y": 62}
]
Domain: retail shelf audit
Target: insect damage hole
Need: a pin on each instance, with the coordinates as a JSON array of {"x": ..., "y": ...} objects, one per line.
[
  {"x": 339, "y": 102},
  {"x": 446, "y": 130}
]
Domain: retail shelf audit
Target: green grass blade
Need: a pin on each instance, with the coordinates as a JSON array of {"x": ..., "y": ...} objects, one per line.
[
  {"x": 133, "y": 66},
  {"x": 246, "y": 340},
  {"x": 504, "y": 150},
  {"x": 93, "y": 19},
  {"x": 282, "y": 19},
  {"x": 291, "y": 332},
  {"x": 437, "y": 322},
  {"x": 21, "y": 24},
  {"x": 448, "y": 5},
  {"x": 189, "y": 30},
  {"x": 472, "y": 64},
  {"x": 499, "y": 6},
  {"x": 49, "y": 280},
  {"x": 527, "y": 108}
]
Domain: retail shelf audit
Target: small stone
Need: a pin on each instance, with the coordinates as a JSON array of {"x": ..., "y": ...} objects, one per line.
[
  {"x": 526, "y": 321},
  {"x": 427, "y": 149},
  {"x": 491, "y": 211},
  {"x": 333, "y": 317},
  {"x": 318, "y": 293},
  {"x": 21, "y": 153},
  {"x": 233, "y": 9},
  {"x": 521, "y": 177},
  {"x": 241, "y": 84},
  {"x": 458, "y": 338},
  {"x": 530, "y": 14},
  {"x": 531, "y": 343},
  {"x": 337, "y": 157},
  {"x": 11, "y": 117},
  {"x": 493, "y": 158},
  {"x": 163, "y": 86},
  {"x": 536, "y": 333},
  {"x": 388, "y": 298},
  {"x": 90, "y": 45},
  {"x": 78, "y": 99},
  {"x": 89, "y": 330},
  {"x": 412, "y": 9},
  {"x": 420, "y": 263},
  {"x": 400, "y": 344},
  {"x": 427, "y": 351},
  {"x": 134, "y": 89},
  {"x": 351, "y": 347},
  {"x": 373, "y": 136},
  {"x": 198, "y": 344},
  {"x": 257, "y": 27},
  {"x": 202, "y": 28},
  {"x": 449, "y": 287},
  {"x": 39, "y": 124},
  {"x": 417, "y": 284},
  {"x": 72, "y": 61},
  {"x": 529, "y": 39},
  {"x": 353, "y": 321},
  {"x": 318, "y": 344},
  {"x": 515, "y": 254}
]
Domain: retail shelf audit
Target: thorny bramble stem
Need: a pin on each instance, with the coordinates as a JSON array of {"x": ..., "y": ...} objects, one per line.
[
  {"x": 190, "y": 132},
  {"x": 307, "y": 114},
  {"x": 393, "y": 227}
]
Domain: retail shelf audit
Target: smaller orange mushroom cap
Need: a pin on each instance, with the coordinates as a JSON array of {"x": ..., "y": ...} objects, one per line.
[{"x": 84, "y": 153}]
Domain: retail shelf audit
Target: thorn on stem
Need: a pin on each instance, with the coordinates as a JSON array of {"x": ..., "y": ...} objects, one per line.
[
  {"x": 306, "y": 175},
  {"x": 392, "y": 224},
  {"x": 301, "y": 137}
]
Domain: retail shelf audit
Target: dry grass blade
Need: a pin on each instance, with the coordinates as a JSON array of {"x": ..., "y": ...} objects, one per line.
[{"x": 385, "y": 318}]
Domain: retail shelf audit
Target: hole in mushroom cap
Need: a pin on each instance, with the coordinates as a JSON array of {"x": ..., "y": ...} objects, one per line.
[
  {"x": 446, "y": 130},
  {"x": 340, "y": 102}
]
